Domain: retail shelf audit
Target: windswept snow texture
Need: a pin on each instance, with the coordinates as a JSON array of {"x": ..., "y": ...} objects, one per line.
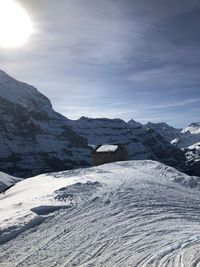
[{"x": 136, "y": 213}]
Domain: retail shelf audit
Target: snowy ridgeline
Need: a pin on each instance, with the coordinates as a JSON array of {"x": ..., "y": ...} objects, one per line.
[{"x": 136, "y": 213}]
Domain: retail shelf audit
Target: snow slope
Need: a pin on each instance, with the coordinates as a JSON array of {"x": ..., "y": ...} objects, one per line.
[
  {"x": 6, "y": 181},
  {"x": 136, "y": 213}
]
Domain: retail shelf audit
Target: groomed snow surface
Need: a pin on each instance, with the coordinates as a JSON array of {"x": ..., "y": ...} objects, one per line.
[{"x": 136, "y": 213}]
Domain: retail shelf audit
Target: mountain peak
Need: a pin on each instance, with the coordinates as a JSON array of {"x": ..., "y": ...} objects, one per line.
[
  {"x": 134, "y": 124},
  {"x": 193, "y": 128},
  {"x": 21, "y": 93}
]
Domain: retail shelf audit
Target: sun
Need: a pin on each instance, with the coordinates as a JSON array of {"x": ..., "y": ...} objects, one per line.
[{"x": 15, "y": 24}]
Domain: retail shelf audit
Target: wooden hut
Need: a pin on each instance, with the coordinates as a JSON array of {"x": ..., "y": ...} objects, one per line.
[{"x": 109, "y": 153}]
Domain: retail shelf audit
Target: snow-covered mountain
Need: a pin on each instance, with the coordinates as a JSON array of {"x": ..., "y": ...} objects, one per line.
[
  {"x": 142, "y": 143},
  {"x": 188, "y": 136},
  {"x": 186, "y": 139},
  {"x": 136, "y": 213},
  {"x": 33, "y": 137},
  {"x": 193, "y": 128},
  {"x": 36, "y": 139},
  {"x": 168, "y": 132},
  {"x": 193, "y": 158},
  {"x": 181, "y": 138}
]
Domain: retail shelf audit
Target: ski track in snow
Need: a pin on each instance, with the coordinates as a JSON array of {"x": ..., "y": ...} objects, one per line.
[{"x": 138, "y": 223}]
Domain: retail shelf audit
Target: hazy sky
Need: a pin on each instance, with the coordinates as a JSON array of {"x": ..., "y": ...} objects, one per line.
[{"x": 135, "y": 59}]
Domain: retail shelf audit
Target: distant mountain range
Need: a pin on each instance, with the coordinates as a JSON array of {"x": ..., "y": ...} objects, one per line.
[
  {"x": 35, "y": 139},
  {"x": 187, "y": 139}
]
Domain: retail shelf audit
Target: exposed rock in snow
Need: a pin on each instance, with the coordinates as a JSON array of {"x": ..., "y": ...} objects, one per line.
[
  {"x": 187, "y": 140},
  {"x": 193, "y": 158},
  {"x": 184, "y": 140},
  {"x": 168, "y": 132},
  {"x": 136, "y": 213}
]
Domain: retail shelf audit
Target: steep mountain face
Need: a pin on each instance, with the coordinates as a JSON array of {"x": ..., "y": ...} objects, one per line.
[
  {"x": 168, "y": 132},
  {"x": 184, "y": 140},
  {"x": 181, "y": 138},
  {"x": 193, "y": 158},
  {"x": 142, "y": 143},
  {"x": 187, "y": 139},
  {"x": 188, "y": 136},
  {"x": 34, "y": 138}
]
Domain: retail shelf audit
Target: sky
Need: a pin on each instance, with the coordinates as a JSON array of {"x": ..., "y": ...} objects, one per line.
[{"x": 128, "y": 59}]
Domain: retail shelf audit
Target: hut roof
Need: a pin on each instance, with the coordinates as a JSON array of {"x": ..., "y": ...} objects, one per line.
[{"x": 107, "y": 148}]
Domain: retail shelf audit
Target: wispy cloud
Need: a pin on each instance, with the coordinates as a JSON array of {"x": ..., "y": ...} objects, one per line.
[{"x": 129, "y": 59}]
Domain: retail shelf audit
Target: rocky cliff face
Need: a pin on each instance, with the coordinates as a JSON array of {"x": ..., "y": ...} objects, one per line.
[
  {"x": 187, "y": 139},
  {"x": 142, "y": 143},
  {"x": 165, "y": 130},
  {"x": 192, "y": 154},
  {"x": 33, "y": 137}
]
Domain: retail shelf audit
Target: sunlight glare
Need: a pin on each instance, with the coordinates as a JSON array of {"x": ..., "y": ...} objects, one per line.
[{"x": 15, "y": 24}]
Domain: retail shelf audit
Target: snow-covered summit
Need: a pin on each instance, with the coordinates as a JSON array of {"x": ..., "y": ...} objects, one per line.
[
  {"x": 23, "y": 94},
  {"x": 193, "y": 128}
]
